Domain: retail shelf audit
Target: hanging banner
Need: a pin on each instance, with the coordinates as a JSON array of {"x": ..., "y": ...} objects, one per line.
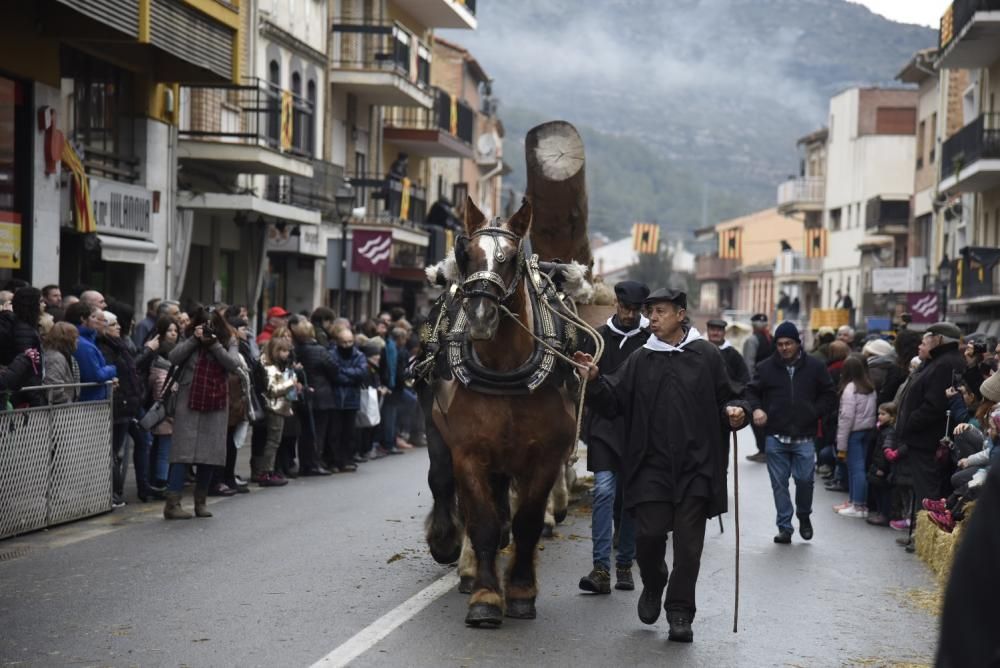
[
  {"x": 646, "y": 238},
  {"x": 924, "y": 307},
  {"x": 10, "y": 240},
  {"x": 83, "y": 208},
  {"x": 404, "y": 203},
  {"x": 287, "y": 120},
  {"x": 372, "y": 252}
]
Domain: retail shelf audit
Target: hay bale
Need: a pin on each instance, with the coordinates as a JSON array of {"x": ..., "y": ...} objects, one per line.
[{"x": 937, "y": 548}]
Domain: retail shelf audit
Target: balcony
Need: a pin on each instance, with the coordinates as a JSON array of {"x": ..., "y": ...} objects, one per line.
[
  {"x": 802, "y": 194},
  {"x": 714, "y": 268},
  {"x": 970, "y": 34},
  {"x": 792, "y": 267},
  {"x": 970, "y": 160},
  {"x": 249, "y": 129},
  {"x": 316, "y": 193},
  {"x": 444, "y": 131},
  {"x": 398, "y": 205},
  {"x": 976, "y": 277},
  {"x": 459, "y": 14},
  {"x": 383, "y": 63},
  {"x": 887, "y": 215}
]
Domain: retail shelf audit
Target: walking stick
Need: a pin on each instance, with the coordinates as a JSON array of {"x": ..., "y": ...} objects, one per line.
[{"x": 736, "y": 499}]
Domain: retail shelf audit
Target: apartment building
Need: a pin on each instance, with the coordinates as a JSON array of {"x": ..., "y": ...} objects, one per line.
[
  {"x": 87, "y": 194},
  {"x": 969, "y": 40}
]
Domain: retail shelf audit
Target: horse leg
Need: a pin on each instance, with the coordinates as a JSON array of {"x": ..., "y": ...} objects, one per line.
[
  {"x": 560, "y": 496},
  {"x": 466, "y": 567},
  {"x": 442, "y": 529},
  {"x": 549, "y": 523},
  {"x": 483, "y": 527},
  {"x": 522, "y": 589},
  {"x": 502, "y": 500}
]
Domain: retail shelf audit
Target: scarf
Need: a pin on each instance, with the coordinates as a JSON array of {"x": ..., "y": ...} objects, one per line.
[
  {"x": 643, "y": 324},
  {"x": 692, "y": 334},
  {"x": 209, "y": 387}
]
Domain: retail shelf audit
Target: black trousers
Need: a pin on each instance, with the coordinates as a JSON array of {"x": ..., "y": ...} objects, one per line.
[
  {"x": 653, "y": 521},
  {"x": 340, "y": 438}
]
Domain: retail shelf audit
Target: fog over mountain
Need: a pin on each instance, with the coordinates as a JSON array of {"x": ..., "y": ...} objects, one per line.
[{"x": 688, "y": 96}]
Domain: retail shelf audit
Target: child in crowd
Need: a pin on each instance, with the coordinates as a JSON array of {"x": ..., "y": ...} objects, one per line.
[
  {"x": 880, "y": 472},
  {"x": 855, "y": 434},
  {"x": 366, "y": 435},
  {"x": 282, "y": 390}
]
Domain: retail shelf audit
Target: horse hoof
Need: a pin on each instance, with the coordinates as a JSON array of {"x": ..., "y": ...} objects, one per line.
[
  {"x": 484, "y": 614},
  {"x": 521, "y": 608},
  {"x": 547, "y": 531},
  {"x": 561, "y": 516},
  {"x": 465, "y": 584},
  {"x": 446, "y": 556}
]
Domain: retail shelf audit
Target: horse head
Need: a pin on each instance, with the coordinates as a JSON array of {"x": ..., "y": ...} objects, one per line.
[{"x": 490, "y": 259}]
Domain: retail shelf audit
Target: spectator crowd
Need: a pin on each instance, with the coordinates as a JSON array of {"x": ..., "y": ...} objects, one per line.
[{"x": 312, "y": 395}]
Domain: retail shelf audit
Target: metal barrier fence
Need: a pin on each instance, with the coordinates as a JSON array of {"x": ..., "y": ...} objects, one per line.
[{"x": 55, "y": 462}]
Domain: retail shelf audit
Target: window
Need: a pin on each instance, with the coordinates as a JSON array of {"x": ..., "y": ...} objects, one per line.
[
  {"x": 932, "y": 140},
  {"x": 309, "y": 138},
  {"x": 297, "y": 104},
  {"x": 835, "y": 220},
  {"x": 920, "y": 144},
  {"x": 274, "y": 103},
  {"x": 459, "y": 193}
]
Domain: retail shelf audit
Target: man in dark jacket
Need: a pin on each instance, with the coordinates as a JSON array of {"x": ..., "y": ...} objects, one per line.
[
  {"x": 625, "y": 332},
  {"x": 758, "y": 347},
  {"x": 677, "y": 401},
  {"x": 392, "y": 369},
  {"x": 790, "y": 392},
  {"x": 736, "y": 366},
  {"x": 352, "y": 368},
  {"x": 320, "y": 373},
  {"x": 923, "y": 405}
]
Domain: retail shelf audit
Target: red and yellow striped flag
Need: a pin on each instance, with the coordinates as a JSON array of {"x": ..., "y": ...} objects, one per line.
[
  {"x": 815, "y": 242},
  {"x": 646, "y": 238},
  {"x": 731, "y": 243},
  {"x": 287, "y": 120},
  {"x": 83, "y": 207}
]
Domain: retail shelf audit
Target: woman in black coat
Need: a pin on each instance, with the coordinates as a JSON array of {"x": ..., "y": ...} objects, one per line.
[
  {"x": 127, "y": 401},
  {"x": 320, "y": 375}
]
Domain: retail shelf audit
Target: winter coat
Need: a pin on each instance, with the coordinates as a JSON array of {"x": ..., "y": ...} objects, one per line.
[
  {"x": 93, "y": 367},
  {"x": 879, "y": 369},
  {"x": 857, "y": 413},
  {"x": 920, "y": 422},
  {"x": 280, "y": 383},
  {"x": 399, "y": 385},
  {"x": 61, "y": 369},
  {"x": 199, "y": 436},
  {"x": 320, "y": 373},
  {"x": 351, "y": 374},
  {"x": 895, "y": 376},
  {"x": 17, "y": 336},
  {"x": 604, "y": 436},
  {"x": 14, "y": 376},
  {"x": 128, "y": 396},
  {"x": 157, "y": 383},
  {"x": 674, "y": 408},
  {"x": 794, "y": 399}
]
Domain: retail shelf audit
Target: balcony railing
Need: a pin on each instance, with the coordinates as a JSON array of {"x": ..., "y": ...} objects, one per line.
[
  {"x": 975, "y": 273},
  {"x": 958, "y": 16},
  {"x": 796, "y": 264},
  {"x": 317, "y": 193},
  {"x": 381, "y": 46},
  {"x": 396, "y": 204},
  {"x": 253, "y": 113},
  {"x": 803, "y": 190},
  {"x": 449, "y": 114},
  {"x": 978, "y": 140},
  {"x": 714, "y": 268},
  {"x": 887, "y": 214}
]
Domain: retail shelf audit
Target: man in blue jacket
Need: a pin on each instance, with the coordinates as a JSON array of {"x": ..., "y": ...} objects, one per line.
[
  {"x": 93, "y": 367},
  {"x": 789, "y": 394}
]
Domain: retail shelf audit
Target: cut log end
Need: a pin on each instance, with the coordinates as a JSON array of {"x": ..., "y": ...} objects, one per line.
[{"x": 558, "y": 150}]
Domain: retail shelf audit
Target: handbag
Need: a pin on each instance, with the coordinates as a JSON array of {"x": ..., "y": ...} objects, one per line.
[
  {"x": 165, "y": 406},
  {"x": 368, "y": 412}
]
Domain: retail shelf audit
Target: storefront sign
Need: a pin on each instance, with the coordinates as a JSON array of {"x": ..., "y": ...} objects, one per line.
[
  {"x": 372, "y": 251},
  {"x": 924, "y": 307},
  {"x": 300, "y": 239},
  {"x": 895, "y": 279},
  {"x": 121, "y": 209},
  {"x": 10, "y": 240}
]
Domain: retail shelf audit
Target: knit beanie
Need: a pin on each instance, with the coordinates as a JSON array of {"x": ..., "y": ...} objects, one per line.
[
  {"x": 787, "y": 330},
  {"x": 990, "y": 389}
]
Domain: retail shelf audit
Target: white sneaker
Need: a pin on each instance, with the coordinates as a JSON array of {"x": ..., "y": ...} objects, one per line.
[{"x": 859, "y": 512}]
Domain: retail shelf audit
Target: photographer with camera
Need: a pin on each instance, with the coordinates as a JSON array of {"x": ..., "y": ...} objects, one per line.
[{"x": 205, "y": 358}]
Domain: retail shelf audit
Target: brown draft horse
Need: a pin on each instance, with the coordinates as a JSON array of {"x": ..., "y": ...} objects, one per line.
[{"x": 496, "y": 440}]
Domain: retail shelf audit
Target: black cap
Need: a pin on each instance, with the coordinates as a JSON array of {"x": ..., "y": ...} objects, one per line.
[
  {"x": 667, "y": 295},
  {"x": 721, "y": 324},
  {"x": 759, "y": 317},
  {"x": 631, "y": 292}
]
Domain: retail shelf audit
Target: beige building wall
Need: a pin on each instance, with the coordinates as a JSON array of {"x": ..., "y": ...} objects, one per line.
[{"x": 762, "y": 235}]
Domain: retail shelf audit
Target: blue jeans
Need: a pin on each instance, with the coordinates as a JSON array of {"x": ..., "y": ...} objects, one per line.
[
  {"x": 161, "y": 464},
  {"x": 178, "y": 476},
  {"x": 602, "y": 530},
  {"x": 857, "y": 456},
  {"x": 795, "y": 460},
  {"x": 390, "y": 413}
]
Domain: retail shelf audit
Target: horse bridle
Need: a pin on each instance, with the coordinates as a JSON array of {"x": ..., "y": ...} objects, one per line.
[{"x": 486, "y": 278}]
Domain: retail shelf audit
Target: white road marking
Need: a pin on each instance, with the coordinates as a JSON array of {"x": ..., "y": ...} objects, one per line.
[{"x": 368, "y": 637}]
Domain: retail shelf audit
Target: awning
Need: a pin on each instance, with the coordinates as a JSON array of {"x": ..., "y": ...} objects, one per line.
[
  {"x": 875, "y": 241},
  {"x": 122, "y": 249},
  {"x": 250, "y": 205}
]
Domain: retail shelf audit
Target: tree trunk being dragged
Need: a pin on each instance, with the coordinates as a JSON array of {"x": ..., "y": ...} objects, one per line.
[{"x": 557, "y": 188}]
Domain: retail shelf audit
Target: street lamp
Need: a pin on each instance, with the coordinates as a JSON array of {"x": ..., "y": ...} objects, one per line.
[
  {"x": 944, "y": 279},
  {"x": 344, "y": 202}
]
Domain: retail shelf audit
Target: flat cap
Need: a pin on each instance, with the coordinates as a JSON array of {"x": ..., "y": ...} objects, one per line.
[
  {"x": 715, "y": 322},
  {"x": 667, "y": 295},
  {"x": 759, "y": 317},
  {"x": 631, "y": 292},
  {"x": 948, "y": 329}
]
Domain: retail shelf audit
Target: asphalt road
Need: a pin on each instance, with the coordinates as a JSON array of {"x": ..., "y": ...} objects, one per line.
[{"x": 286, "y": 577}]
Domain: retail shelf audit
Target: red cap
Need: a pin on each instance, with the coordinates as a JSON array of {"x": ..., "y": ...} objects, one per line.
[{"x": 276, "y": 312}]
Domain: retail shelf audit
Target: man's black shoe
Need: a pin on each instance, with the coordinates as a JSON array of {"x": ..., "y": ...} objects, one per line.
[
  {"x": 597, "y": 582},
  {"x": 623, "y": 578},
  {"x": 784, "y": 537},
  {"x": 680, "y": 627},
  {"x": 319, "y": 470},
  {"x": 758, "y": 457},
  {"x": 805, "y": 527},
  {"x": 835, "y": 486},
  {"x": 649, "y": 604}
]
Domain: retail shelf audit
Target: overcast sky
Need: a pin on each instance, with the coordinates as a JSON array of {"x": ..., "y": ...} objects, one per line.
[{"x": 923, "y": 12}]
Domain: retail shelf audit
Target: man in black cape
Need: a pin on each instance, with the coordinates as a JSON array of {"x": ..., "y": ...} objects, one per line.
[
  {"x": 679, "y": 405},
  {"x": 625, "y": 332}
]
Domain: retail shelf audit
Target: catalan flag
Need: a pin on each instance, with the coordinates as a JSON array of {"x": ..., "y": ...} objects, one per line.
[
  {"x": 83, "y": 206},
  {"x": 731, "y": 243},
  {"x": 646, "y": 238},
  {"x": 287, "y": 120},
  {"x": 815, "y": 242}
]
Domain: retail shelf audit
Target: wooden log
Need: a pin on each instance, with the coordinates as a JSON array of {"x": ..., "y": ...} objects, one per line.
[{"x": 557, "y": 189}]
